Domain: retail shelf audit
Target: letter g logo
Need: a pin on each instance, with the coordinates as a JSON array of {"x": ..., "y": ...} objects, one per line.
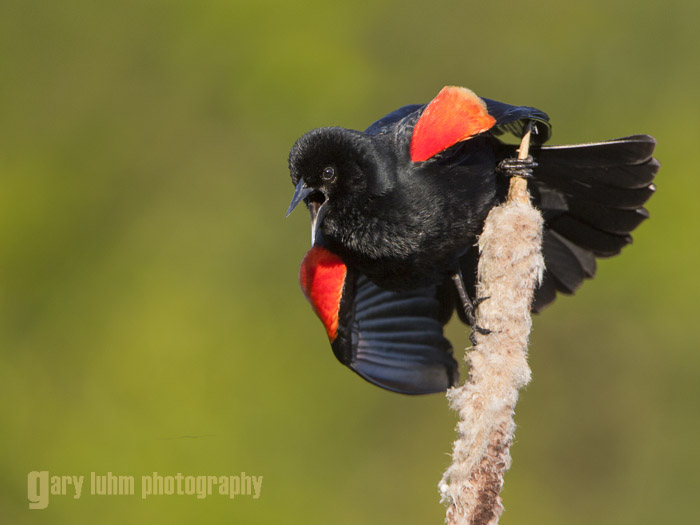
[{"x": 38, "y": 489}]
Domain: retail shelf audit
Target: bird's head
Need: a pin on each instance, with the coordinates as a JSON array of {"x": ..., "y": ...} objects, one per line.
[{"x": 333, "y": 169}]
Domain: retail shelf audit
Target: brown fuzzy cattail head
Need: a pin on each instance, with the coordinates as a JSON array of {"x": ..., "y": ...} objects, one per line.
[{"x": 510, "y": 267}]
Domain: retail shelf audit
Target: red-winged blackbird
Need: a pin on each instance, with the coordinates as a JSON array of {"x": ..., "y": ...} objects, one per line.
[{"x": 396, "y": 210}]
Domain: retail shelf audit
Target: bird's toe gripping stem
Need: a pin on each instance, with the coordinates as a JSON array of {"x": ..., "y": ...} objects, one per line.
[
  {"x": 473, "y": 305},
  {"x": 513, "y": 167},
  {"x": 469, "y": 307}
]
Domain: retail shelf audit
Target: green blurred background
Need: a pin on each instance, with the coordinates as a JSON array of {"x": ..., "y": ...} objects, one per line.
[{"x": 150, "y": 315}]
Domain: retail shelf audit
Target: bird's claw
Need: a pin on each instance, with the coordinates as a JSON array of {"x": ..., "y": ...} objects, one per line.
[
  {"x": 513, "y": 167},
  {"x": 469, "y": 307},
  {"x": 473, "y": 305},
  {"x": 479, "y": 300},
  {"x": 480, "y": 330}
]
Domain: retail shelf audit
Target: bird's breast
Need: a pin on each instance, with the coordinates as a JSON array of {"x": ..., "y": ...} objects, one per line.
[{"x": 402, "y": 245}]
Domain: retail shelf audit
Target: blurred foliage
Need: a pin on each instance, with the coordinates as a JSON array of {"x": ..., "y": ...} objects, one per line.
[{"x": 148, "y": 286}]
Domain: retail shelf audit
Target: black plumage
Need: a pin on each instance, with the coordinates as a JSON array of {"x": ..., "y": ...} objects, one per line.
[{"x": 404, "y": 227}]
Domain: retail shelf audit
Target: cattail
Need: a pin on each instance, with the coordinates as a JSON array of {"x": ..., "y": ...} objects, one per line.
[{"x": 510, "y": 267}]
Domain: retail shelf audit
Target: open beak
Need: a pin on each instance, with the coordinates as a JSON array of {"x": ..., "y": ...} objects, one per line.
[
  {"x": 318, "y": 210},
  {"x": 300, "y": 193}
]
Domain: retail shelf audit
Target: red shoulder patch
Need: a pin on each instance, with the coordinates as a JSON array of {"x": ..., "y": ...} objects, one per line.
[
  {"x": 322, "y": 277},
  {"x": 454, "y": 115}
]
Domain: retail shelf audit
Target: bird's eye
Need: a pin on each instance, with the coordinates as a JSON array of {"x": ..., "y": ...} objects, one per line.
[{"x": 328, "y": 173}]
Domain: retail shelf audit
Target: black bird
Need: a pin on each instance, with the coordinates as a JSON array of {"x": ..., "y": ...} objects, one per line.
[{"x": 396, "y": 210}]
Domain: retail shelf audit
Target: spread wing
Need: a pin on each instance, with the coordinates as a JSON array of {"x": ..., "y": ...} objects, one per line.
[
  {"x": 391, "y": 339},
  {"x": 457, "y": 114}
]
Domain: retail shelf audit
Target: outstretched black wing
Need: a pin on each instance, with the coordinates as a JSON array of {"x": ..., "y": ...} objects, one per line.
[
  {"x": 395, "y": 116},
  {"x": 509, "y": 118},
  {"x": 391, "y": 339},
  {"x": 394, "y": 339},
  {"x": 512, "y": 119}
]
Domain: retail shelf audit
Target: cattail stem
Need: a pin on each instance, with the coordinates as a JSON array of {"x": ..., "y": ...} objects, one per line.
[{"x": 510, "y": 267}]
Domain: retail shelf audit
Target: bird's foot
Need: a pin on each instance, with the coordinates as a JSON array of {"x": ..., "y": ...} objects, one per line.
[
  {"x": 513, "y": 167},
  {"x": 473, "y": 305},
  {"x": 476, "y": 329},
  {"x": 479, "y": 300},
  {"x": 469, "y": 307}
]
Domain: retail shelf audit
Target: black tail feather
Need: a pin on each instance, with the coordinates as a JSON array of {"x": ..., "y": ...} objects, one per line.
[
  {"x": 611, "y": 196},
  {"x": 592, "y": 198},
  {"x": 632, "y": 176},
  {"x": 601, "y": 243},
  {"x": 611, "y": 220},
  {"x": 625, "y": 151},
  {"x": 565, "y": 266},
  {"x": 545, "y": 294}
]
